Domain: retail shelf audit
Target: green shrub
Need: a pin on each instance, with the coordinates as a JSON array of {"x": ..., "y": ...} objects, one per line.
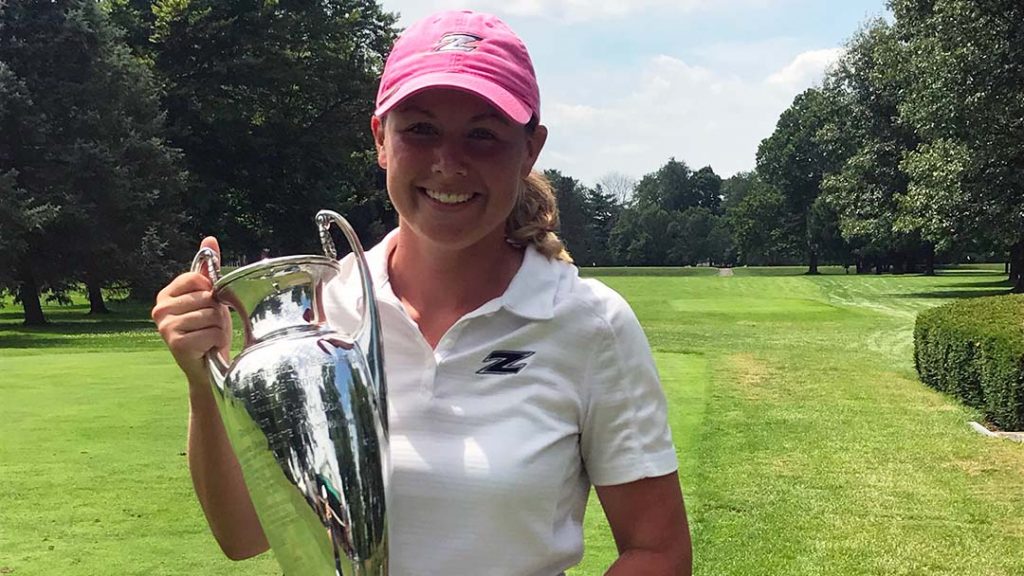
[{"x": 974, "y": 350}]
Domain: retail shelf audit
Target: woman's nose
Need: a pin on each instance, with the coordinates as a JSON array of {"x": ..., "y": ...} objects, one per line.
[{"x": 449, "y": 159}]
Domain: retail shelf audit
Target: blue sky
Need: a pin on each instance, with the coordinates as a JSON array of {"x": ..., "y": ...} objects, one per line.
[{"x": 625, "y": 85}]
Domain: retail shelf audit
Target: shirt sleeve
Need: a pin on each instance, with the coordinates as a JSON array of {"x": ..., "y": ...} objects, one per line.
[{"x": 625, "y": 434}]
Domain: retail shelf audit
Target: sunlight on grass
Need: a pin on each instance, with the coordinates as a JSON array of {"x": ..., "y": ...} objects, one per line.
[{"x": 807, "y": 445}]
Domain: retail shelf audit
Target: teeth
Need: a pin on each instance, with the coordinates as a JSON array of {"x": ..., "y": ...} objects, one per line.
[{"x": 447, "y": 198}]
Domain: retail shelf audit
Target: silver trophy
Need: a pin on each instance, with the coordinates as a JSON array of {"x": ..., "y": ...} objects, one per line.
[{"x": 305, "y": 408}]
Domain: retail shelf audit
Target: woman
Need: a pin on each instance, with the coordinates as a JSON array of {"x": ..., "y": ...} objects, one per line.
[{"x": 514, "y": 385}]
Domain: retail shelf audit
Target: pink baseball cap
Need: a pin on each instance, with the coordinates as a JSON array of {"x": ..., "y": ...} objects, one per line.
[{"x": 465, "y": 50}]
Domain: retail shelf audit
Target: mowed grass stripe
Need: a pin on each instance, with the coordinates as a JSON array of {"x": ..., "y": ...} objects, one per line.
[
  {"x": 93, "y": 477},
  {"x": 823, "y": 454}
]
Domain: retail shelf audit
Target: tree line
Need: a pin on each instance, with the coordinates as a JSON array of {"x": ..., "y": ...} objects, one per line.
[
  {"x": 130, "y": 128},
  {"x": 910, "y": 152},
  {"x": 912, "y": 148}
]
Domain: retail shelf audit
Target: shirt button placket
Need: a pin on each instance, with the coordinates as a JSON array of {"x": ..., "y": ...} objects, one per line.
[{"x": 443, "y": 350}]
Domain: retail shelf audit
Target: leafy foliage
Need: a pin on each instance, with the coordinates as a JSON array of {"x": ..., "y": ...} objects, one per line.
[
  {"x": 675, "y": 219},
  {"x": 756, "y": 214},
  {"x": 270, "y": 101},
  {"x": 974, "y": 349},
  {"x": 963, "y": 98},
  {"x": 85, "y": 173},
  {"x": 794, "y": 160}
]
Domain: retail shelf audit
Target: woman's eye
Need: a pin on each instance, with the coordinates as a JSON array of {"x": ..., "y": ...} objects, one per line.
[
  {"x": 421, "y": 129},
  {"x": 482, "y": 134}
]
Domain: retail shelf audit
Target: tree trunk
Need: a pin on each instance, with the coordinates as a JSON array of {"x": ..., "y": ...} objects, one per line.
[
  {"x": 812, "y": 268},
  {"x": 28, "y": 293},
  {"x": 1017, "y": 267},
  {"x": 929, "y": 262},
  {"x": 910, "y": 263},
  {"x": 96, "y": 304}
]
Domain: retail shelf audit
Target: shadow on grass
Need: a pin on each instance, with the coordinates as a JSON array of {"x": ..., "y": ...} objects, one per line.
[
  {"x": 100, "y": 326},
  {"x": 128, "y": 334},
  {"x": 12, "y": 313},
  {"x": 128, "y": 326},
  {"x": 950, "y": 294},
  {"x": 993, "y": 284},
  {"x": 640, "y": 271},
  {"x": 970, "y": 273}
]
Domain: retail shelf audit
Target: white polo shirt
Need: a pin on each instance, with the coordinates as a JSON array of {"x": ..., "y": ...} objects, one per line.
[{"x": 498, "y": 433}]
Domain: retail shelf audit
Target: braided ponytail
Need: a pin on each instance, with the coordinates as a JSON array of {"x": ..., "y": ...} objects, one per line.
[{"x": 534, "y": 218}]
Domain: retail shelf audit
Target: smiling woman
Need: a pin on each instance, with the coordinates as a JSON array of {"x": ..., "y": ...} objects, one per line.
[
  {"x": 514, "y": 385},
  {"x": 455, "y": 166}
]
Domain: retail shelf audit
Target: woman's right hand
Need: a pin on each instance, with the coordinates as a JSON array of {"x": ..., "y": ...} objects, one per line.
[{"x": 191, "y": 322}]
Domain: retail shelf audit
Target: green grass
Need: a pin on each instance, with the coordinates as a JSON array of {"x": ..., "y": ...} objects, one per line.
[
  {"x": 807, "y": 445},
  {"x": 93, "y": 478}
]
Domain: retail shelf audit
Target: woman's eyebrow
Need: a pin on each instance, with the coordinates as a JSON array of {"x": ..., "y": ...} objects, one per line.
[
  {"x": 490, "y": 116},
  {"x": 416, "y": 109}
]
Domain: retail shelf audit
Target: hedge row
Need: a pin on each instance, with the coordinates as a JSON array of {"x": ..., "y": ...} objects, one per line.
[{"x": 974, "y": 349}]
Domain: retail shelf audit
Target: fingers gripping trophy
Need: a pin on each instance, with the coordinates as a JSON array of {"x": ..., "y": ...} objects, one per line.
[{"x": 304, "y": 408}]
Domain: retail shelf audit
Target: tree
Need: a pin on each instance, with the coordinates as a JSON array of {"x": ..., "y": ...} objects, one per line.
[
  {"x": 137, "y": 21},
  {"x": 82, "y": 159},
  {"x": 736, "y": 187},
  {"x": 866, "y": 192},
  {"x": 758, "y": 225},
  {"x": 674, "y": 210},
  {"x": 675, "y": 187},
  {"x": 619, "y": 186},
  {"x": 604, "y": 210},
  {"x": 270, "y": 102},
  {"x": 794, "y": 161},
  {"x": 708, "y": 189},
  {"x": 641, "y": 236},
  {"x": 963, "y": 100},
  {"x": 22, "y": 213},
  {"x": 573, "y": 216},
  {"x": 698, "y": 235}
]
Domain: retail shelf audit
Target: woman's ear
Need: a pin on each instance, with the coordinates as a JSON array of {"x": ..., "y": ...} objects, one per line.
[
  {"x": 377, "y": 127},
  {"x": 534, "y": 144}
]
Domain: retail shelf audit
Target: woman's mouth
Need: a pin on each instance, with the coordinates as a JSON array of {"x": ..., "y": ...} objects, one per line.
[{"x": 447, "y": 197}]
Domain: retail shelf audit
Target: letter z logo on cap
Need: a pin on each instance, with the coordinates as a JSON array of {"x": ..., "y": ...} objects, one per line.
[
  {"x": 504, "y": 362},
  {"x": 457, "y": 43}
]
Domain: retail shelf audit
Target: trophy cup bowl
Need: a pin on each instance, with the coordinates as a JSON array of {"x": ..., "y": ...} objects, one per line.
[{"x": 305, "y": 409}]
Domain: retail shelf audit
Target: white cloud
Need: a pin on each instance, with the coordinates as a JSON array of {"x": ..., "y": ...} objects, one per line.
[
  {"x": 693, "y": 113},
  {"x": 570, "y": 114},
  {"x": 806, "y": 68},
  {"x": 569, "y": 10}
]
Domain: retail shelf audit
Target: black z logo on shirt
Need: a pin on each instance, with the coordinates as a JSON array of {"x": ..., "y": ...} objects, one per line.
[{"x": 504, "y": 362}]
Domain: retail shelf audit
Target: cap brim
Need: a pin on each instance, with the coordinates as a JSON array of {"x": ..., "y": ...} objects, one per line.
[{"x": 499, "y": 97}]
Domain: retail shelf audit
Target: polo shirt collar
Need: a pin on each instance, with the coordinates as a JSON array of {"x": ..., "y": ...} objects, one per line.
[
  {"x": 530, "y": 294},
  {"x": 377, "y": 261}
]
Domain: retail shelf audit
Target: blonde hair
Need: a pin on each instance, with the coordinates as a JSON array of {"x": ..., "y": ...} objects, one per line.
[{"x": 534, "y": 218}]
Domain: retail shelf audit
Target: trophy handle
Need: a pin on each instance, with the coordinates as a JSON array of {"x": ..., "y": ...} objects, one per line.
[
  {"x": 214, "y": 362},
  {"x": 368, "y": 330},
  {"x": 324, "y": 218}
]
